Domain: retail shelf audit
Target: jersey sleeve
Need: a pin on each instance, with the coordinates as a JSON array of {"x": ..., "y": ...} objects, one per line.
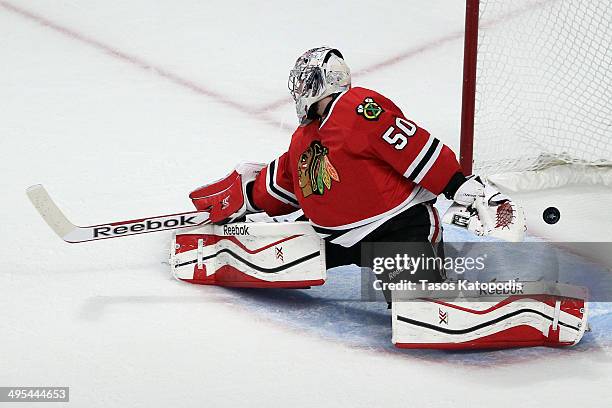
[
  {"x": 273, "y": 188},
  {"x": 411, "y": 150}
]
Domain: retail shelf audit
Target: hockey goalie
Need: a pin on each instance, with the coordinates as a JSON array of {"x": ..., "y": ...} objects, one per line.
[{"x": 358, "y": 171}]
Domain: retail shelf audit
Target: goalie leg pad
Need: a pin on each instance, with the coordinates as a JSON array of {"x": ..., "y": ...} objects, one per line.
[
  {"x": 251, "y": 255},
  {"x": 525, "y": 320}
]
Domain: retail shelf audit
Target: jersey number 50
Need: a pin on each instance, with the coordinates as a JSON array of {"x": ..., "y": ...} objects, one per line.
[{"x": 400, "y": 140}]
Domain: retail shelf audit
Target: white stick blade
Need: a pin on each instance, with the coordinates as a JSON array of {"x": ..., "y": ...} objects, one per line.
[{"x": 49, "y": 211}]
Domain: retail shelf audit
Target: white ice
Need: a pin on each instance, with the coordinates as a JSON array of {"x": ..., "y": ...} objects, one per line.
[{"x": 120, "y": 109}]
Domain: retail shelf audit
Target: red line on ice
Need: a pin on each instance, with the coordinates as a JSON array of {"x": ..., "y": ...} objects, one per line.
[
  {"x": 261, "y": 112},
  {"x": 396, "y": 59},
  {"x": 140, "y": 63},
  {"x": 430, "y": 45}
]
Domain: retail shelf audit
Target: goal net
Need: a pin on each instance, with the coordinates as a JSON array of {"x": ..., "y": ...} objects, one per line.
[{"x": 542, "y": 85}]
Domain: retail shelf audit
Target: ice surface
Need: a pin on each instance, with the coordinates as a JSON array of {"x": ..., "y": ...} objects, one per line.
[{"x": 120, "y": 109}]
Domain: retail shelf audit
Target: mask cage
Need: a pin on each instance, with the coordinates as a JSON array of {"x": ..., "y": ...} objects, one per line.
[{"x": 306, "y": 82}]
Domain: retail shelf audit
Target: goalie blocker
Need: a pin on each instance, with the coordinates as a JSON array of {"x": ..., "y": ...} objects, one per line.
[{"x": 291, "y": 255}]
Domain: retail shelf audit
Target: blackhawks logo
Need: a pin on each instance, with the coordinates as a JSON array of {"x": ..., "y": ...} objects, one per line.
[
  {"x": 315, "y": 171},
  {"x": 369, "y": 109}
]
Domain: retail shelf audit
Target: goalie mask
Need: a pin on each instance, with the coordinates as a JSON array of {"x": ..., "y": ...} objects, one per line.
[{"x": 318, "y": 73}]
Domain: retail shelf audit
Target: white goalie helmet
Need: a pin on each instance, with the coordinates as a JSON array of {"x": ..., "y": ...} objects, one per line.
[{"x": 317, "y": 73}]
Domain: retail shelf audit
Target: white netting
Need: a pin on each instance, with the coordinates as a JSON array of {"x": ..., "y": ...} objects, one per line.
[{"x": 543, "y": 87}]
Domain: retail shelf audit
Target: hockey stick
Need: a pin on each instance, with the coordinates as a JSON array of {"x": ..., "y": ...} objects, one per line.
[{"x": 69, "y": 232}]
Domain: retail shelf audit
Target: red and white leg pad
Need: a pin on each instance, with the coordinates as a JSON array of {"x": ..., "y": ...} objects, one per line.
[
  {"x": 254, "y": 255},
  {"x": 556, "y": 318}
]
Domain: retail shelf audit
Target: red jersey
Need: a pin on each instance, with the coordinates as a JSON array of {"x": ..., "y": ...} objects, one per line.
[{"x": 355, "y": 169}]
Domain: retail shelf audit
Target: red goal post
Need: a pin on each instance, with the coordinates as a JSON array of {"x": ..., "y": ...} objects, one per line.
[{"x": 468, "y": 97}]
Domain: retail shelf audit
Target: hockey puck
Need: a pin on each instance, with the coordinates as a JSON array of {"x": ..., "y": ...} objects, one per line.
[{"x": 551, "y": 215}]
